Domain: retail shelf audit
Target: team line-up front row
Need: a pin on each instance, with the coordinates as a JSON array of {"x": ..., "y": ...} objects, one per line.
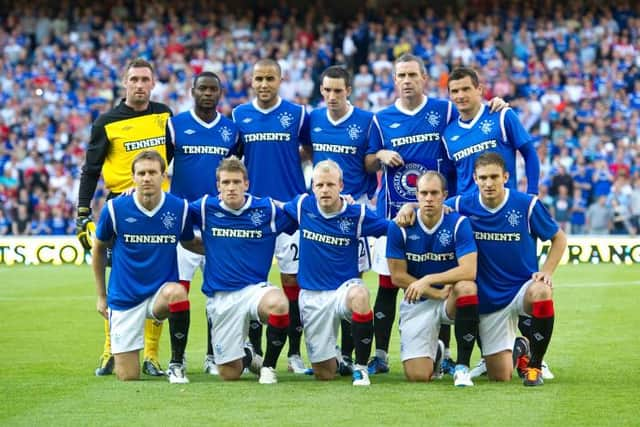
[{"x": 469, "y": 261}]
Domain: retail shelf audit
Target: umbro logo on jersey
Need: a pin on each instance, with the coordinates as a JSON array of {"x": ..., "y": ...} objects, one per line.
[
  {"x": 394, "y": 125},
  {"x": 189, "y": 131},
  {"x": 247, "y": 120},
  {"x": 455, "y": 137},
  {"x": 131, "y": 220},
  {"x": 317, "y": 129},
  {"x": 413, "y": 237},
  {"x": 219, "y": 214}
]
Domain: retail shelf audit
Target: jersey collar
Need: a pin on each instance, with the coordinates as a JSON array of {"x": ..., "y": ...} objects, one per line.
[
  {"x": 202, "y": 122},
  {"x": 497, "y": 208},
  {"x": 469, "y": 125},
  {"x": 144, "y": 210},
  {"x": 267, "y": 111},
  {"x": 247, "y": 203},
  {"x": 341, "y": 119},
  {"x": 424, "y": 226},
  {"x": 415, "y": 110},
  {"x": 333, "y": 214}
]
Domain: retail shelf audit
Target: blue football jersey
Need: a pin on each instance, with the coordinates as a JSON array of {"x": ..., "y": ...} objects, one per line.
[
  {"x": 416, "y": 136},
  {"x": 346, "y": 142},
  {"x": 239, "y": 244},
  {"x": 199, "y": 148},
  {"x": 431, "y": 250},
  {"x": 500, "y": 132},
  {"x": 271, "y": 142},
  {"x": 144, "y": 246},
  {"x": 329, "y": 243},
  {"x": 506, "y": 238}
]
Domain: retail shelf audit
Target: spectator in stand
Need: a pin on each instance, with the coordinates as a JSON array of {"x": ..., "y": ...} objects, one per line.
[{"x": 599, "y": 217}]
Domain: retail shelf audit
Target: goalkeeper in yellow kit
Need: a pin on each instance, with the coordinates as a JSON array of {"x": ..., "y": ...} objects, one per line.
[{"x": 117, "y": 136}]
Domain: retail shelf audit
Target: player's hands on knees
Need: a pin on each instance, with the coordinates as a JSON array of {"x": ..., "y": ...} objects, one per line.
[
  {"x": 497, "y": 104},
  {"x": 85, "y": 228},
  {"x": 418, "y": 289},
  {"x": 101, "y": 306},
  {"x": 406, "y": 216},
  {"x": 541, "y": 276},
  {"x": 390, "y": 158}
]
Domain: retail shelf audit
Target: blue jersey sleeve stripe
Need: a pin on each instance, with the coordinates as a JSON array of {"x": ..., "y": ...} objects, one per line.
[
  {"x": 171, "y": 131},
  {"x": 301, "y": 123},
  {"x": 503, "y": 129},
  {"x": 360, "y": 221},
  {"x": 203, "y": 204},
  {"x": 532, "y": 204},
  {"x": 299, "y": 207},
  {"x": 272, "y": 223},
  {"x": 112, "y": 214},
  {"x": 455, "y": 229},
  {"x": 185, "y": 212}
]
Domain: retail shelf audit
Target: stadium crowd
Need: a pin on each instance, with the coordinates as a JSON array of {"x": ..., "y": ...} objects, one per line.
[{"x": 571, "y": 71}]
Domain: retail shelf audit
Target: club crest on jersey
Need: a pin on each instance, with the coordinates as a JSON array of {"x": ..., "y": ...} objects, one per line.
[
  {"x": 354, "y": 131},
  {"x": 405, "y": 179},
  {"x": 257, "y": 217},
  {"x": 345, "y": 225},
  {"x": 513, "y": 217},
  {"x": 433, "y": 118},
  {"x": 444, "y": 237},
  {"x": 286, "y": 119},
  {"x": 486, "y": 126},
  {"x": 168, "y": 220},
  {"x": 225, "y": 133}
]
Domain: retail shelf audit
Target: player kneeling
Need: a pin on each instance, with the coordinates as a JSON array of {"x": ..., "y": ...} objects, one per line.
[
  {"x": 435, "y": 261},
  {"x": 143, "y": 230}
]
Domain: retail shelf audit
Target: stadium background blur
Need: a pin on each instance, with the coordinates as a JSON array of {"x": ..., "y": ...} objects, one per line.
[{"x": 570, "y": 70}]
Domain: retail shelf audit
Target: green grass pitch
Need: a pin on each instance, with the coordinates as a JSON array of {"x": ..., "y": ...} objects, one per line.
[{"x": 51, "y": 337}]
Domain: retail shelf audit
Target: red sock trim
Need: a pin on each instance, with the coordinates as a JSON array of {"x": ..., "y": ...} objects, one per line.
[
  {"x": 291, "y": 292},
  {"x": 384, "y": 281},
  {"x": 175, "y": 307},
  {"x": 467, "y": 300},
  {"x": 279, "y": 320},
  {"x": 362, "y": 317},
  {"x": 186, "y": 284},
  {"x": 542, "y": 309}
]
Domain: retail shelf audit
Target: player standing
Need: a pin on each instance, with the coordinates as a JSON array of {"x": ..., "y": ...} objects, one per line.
[
  {"x": 134, "y": 125},
  {"x": 478, "y": 130},
  {"x": 201, "y": 138},
  {"x": 144, "y": 229},
  {"x": 340, "y": 132},
  {"x": 275, "y": 141}
]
